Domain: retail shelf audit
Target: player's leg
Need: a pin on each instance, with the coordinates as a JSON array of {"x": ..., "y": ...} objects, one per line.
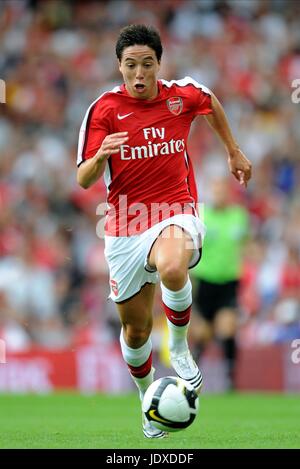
[
  {"x": 136, "y": 318},
  {"x": 171, "y": 254},
  {"x": 206, "y": 305},
  {"x": 200, "y": 335},
  {"x": 225, "y": 326},
  {"x": 226, "y": 323}
]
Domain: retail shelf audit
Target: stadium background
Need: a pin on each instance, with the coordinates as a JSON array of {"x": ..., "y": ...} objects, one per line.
[{"x": 56, "y": 57}]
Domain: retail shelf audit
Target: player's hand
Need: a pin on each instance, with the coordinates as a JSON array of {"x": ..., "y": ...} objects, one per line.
[
  {"x": 240, "y": 166},
  {"x": 111, "y": 145}
]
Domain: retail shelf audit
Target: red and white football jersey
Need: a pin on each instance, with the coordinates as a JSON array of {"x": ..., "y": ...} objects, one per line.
[{"x": 152, "y": 171}]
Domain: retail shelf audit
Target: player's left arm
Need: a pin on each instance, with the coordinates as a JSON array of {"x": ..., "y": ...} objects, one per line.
[{"x": 238, "y": 164}]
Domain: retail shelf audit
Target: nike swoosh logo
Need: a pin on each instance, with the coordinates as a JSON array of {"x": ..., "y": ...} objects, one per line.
[
  {"x": 123, "y": 117},
  {"x": 153, "y": 415}
]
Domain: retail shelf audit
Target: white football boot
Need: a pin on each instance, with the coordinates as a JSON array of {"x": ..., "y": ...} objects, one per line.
[
  {"x": 150, "y": 431},
  {"x": 186, "y": 368}
]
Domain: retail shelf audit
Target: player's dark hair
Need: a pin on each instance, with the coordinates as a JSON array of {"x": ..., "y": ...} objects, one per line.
[{"x": 139, "y": 34}]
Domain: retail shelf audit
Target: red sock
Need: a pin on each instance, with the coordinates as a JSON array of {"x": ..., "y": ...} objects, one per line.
[
  {"x": 178, "y": 318},
  {"x": 142, "y": 370}
]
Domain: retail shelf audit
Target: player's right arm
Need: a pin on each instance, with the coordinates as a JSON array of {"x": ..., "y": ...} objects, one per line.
[{"x": 92, "y": 169}]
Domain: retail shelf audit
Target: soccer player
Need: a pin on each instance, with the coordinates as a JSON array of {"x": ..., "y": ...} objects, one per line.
[{"x": 136, "y": 135}]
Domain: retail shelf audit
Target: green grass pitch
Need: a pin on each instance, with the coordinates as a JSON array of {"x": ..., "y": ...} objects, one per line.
[{"x": 69, "y": 420}]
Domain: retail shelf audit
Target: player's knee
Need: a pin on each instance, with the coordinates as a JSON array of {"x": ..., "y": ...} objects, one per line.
[
  {"x": 206, "y": 334},
  {"x": 136, "y": 336},
  {"x": 226, "y": 324},
  {"x": 173, "y": 275}
]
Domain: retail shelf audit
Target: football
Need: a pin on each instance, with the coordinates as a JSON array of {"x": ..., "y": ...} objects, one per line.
[{"x": 170, "y": 404}]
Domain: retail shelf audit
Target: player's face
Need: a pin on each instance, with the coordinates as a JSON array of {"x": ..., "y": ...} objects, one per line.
[{"x": 139, "y": 67}]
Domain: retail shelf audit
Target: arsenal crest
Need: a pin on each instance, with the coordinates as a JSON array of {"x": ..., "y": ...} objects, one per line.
[{"x": 175, "y": 105}]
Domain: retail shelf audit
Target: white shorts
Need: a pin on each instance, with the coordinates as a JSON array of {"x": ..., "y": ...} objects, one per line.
[{"x": 127, "y": 257}]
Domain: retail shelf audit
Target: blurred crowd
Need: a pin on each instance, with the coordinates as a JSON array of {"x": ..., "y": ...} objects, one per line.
[{"x": 56, "y": 57}]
